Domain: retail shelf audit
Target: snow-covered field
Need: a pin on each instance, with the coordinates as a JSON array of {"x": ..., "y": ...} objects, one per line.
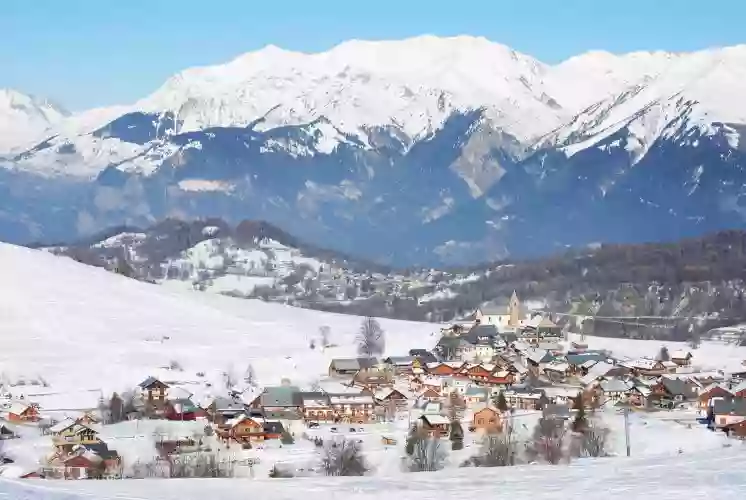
[
  {"x": 692, "y": 477},
  {"x": 85, "y": 332},
  {"x": 74, "y": 333}
]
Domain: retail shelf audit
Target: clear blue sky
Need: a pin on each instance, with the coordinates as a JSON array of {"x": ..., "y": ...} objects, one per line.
[{"x": 85, "y": 53}]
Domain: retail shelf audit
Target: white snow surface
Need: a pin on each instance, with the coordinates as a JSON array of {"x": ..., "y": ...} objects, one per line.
[
  {"x": 414, "y": 84},
  {"x": 694, "y": 477},
  {"x": 85, "y": 329},
  {"x": 24, "y": 119}
]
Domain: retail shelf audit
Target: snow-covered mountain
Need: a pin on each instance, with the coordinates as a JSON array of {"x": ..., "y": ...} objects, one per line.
[
  {"x": 458, "y": 149},
  {"x": 25, "y": 119}
]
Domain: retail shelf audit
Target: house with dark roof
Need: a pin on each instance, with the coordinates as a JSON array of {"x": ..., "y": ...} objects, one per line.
[
  {"x": 350, "y": 366},
  {"x": 153, "y": 390},
  {"x": 423, "y": 355},
  {"x": 727, "y": 411}
]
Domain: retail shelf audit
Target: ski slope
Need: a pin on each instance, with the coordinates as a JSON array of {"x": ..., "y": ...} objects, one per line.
[
  {"x": 692, "y": 477},
  {"x": 86, "y": 332}
]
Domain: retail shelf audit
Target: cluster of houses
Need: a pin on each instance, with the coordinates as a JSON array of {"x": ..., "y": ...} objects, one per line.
[{"x": 500, "y": 363}]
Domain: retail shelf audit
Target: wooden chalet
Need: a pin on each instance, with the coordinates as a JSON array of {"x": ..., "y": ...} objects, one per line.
[
  {"x": 486, "y": 420},
  {"x": 391, "y": 395},
  {"x": 682, "y": 358},
  {"x": 70, "y": 433},
  {"x": 344, "y": 367},
  {"x": 317, "y": 407},
  {"x": 353, "y": 407},
  {"x": 429, "y": 394},
  {"x": 243, "y": 429},
  {"x": 153, "y": 391},
  {"x": 711, "y": 392},
  {"x": 437, "y": 425},
  {"x": 22, "y": 412}
]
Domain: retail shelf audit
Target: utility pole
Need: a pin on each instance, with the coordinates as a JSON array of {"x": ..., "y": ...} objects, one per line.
[{"x": 626, "y": 429}]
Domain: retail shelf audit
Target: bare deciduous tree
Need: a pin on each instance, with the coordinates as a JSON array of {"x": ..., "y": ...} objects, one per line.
[
  {"x": 498, "y": 449},
  {"x": 324, "y": 334},
  {"x": 548, "y": 442},
  {"x": 371, "y": 338},
  {"x": 428, "y": 453},
  {"x": 229, "y": 378},
  {"x": 249, "y": 377},
  {"x": 594, "y": 439},
  {"x": 343, "y": 457}
]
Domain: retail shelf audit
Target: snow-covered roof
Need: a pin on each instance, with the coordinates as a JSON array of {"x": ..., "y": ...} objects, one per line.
[
  {"x": 346, "y": 399},
  {"x": 62, "y": 425},
  {"x": 17, "y": 408},
  {"x": 614, "y": 385},
  {"x": 434, "y": 419}
]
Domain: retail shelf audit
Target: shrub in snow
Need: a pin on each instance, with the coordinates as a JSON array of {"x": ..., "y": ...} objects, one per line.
[
  {"x": 343, "y": 457},
  {"x": 427, "y": 452}
]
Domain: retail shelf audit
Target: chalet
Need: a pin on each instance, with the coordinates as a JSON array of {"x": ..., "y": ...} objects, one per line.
[
  {"x": 69, "y": 433},
  {"x": 373, "y": 378},
  {"x": 22, "y": 412},
  {"x": 343, "y": 367},
  {"x": 429, "y": 394},
  {"x": 477, "y": 396},
  {"x": 457, "y": 384},
  {"x": 599, "y": 371},
  {"x": 499, "y": 378},
  {"x": 486, "y": 420},
  {"x": 112, "y": 462},
  {"x": 222, "y": 409},
  {"x": 444, "y": 369},
  {"x": 477, "y": 373},
  {"x": 525, "y": 398},
  {"x": 280, "y": 402},
  {"x": 435, "y": 424},
  {"x": 541, "y": 328},
  {"x": 713, "y": 391},
  {"x": 556, "y": 370},
  {"x": 580, "y": 362},
  {"x": 724, "y": 412},
  {"x": 86, "y": 465},
  {"x": 153, "y": 390},
  {"x": 613, "y": 389},
  {"x": 389, "y": 395},
  {"x": 399, "y": 364},
  {"x": 316, "y": 407},
  {"x": 681, "y": 358},
  {"x": 673, "y": 389},
  {"x": 537, "y": 357},
  {"x": 638, "y": 395},
  {"x": 243, "y": 429},
  {"x": 352, "y": 407}
]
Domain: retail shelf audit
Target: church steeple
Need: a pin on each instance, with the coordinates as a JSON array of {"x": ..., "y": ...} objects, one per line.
[{"x": 514, "y": 310}]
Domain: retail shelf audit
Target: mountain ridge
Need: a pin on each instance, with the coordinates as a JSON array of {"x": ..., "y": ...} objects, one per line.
[{"x": 457, "y": 149}]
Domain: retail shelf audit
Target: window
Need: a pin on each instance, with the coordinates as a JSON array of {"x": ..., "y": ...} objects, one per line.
[{"x": 480, "y": 421}]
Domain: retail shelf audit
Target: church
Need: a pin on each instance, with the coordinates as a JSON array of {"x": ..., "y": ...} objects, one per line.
[{"x": 502, "y": 316}]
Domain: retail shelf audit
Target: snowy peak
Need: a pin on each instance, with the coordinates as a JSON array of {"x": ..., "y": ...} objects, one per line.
[
  {"x": 412, "y": 84},
  {"x": 24, "y": 118}
]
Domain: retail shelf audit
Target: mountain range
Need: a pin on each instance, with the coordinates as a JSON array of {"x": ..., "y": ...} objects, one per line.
[{"x": 427, "y": 150}]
